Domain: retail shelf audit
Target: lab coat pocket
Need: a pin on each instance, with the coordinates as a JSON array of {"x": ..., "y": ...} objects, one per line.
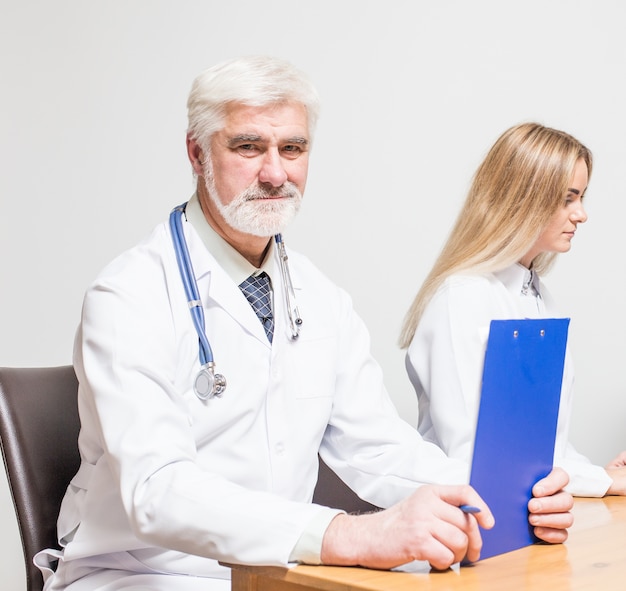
[{"x": 314, "y": 367}]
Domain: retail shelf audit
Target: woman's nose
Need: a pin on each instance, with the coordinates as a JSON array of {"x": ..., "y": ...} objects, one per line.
[{"x": 580, "y": 214}]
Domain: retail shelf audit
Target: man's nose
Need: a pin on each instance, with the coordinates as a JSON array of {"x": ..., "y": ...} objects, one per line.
[{"x": 272, "y": 170}]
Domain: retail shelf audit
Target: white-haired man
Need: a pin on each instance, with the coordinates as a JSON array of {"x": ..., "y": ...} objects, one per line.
[{"x": 174, "y": 479}]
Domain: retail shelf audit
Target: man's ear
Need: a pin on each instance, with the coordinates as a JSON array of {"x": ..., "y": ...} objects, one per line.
[{"x": 195, "y": 155}]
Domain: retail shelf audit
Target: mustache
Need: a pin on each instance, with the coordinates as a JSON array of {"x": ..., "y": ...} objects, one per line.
[{"x": 286, "y": 191}]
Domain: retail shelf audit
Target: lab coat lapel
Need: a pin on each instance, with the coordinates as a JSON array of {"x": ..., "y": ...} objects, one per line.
[{"x": 218, "y": 289}]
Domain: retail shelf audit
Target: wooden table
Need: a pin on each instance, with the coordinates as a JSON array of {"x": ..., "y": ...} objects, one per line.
[{"x": 594, "y": 557}]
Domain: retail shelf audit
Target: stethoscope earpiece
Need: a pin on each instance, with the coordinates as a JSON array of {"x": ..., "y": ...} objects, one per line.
[{"x": 295, "y": 320}]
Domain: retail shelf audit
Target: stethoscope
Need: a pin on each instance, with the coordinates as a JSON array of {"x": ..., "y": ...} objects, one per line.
[{"x": 208, "y": 384}]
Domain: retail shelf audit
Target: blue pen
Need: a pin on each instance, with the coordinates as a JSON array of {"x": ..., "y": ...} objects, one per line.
[{"x": 469, "y": 509}]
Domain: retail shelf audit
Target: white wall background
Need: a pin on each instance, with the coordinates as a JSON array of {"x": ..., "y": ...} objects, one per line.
[{"x": 92, "y": 123}]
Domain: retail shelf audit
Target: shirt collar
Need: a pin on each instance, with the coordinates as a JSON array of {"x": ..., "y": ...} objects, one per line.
[
  {"x": 519, "y": 280},
  {"x": 236, "y": 266}
]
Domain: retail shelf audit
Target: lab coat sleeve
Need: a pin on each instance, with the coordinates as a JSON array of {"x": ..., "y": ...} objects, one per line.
[
  {"x": 376, "y": 452},
  {"x": 585, "y": 478},
  {"x": 445, "y": 363},
  {"x": 125, "y": 360}
]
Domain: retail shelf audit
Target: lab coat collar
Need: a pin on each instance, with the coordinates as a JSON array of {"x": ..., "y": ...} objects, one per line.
[
  {"x": 219, "y": 270},
  {"x": 517, "y": 279}
]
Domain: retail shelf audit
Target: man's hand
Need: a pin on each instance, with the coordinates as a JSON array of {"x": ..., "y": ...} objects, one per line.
[
  {"x": 550, "y": 507},
  {"x": 428, "y": 525}
]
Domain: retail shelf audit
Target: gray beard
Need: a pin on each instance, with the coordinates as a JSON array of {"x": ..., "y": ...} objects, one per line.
[{"x": 254, "y": 211}]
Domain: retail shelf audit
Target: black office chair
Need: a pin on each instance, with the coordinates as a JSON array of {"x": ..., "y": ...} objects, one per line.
[
  {"x": 39, "y": 427},
  {"x": 333, "y": 492}
]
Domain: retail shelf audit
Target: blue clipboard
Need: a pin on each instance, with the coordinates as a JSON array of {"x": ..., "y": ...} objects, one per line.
[{"x": 516, "y": 428}]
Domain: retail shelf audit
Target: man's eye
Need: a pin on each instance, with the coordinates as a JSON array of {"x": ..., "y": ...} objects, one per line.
[
  {"x": 292, "y": 150},
  {"x": 247, "y": 149}
]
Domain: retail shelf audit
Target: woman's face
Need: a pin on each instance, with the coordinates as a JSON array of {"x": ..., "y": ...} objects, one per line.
[{"x": 557, "y": 235}]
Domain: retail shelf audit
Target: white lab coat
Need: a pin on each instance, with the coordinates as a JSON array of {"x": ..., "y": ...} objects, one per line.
[
  {"x": 171, "y": 484},
  {"x": 445, "y": 364}
]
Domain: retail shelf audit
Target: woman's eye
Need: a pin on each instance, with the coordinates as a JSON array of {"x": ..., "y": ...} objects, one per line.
[{"x": 571, "y": 197}]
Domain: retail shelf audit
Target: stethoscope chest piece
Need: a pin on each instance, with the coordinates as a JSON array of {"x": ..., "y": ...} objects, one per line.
[{"x": 209, "y": 384}]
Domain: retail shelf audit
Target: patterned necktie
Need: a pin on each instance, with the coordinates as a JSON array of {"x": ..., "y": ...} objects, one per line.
[{"x": 257, "y": 292}]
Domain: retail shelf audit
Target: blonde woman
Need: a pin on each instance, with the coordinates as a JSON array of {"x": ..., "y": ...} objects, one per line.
[{"x": 523, "y": 208}]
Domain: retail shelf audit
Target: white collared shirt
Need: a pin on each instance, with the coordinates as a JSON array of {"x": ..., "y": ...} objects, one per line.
[{"x": 235, "y": 265}]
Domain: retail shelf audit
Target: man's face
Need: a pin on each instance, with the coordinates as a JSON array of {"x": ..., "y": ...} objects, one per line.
[{"x": 256, "y": 172}]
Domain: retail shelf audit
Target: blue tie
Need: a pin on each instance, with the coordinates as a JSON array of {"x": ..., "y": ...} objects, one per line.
[{"x": 257, "y": 291}]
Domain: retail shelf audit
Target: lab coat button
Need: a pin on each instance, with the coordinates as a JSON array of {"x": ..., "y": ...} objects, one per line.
[{"x": 280, "y": 449}]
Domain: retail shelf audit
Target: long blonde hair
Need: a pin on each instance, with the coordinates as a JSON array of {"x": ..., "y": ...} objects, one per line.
[{"x": 518, "y": 187}]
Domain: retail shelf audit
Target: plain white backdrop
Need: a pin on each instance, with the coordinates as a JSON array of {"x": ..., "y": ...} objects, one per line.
[{"x": 92, "y": 145}]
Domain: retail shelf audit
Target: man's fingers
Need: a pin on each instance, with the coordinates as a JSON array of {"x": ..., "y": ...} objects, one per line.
[{"x": 466, "y": 495}]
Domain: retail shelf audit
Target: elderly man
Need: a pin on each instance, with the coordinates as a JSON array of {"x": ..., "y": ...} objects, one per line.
[{"x": 189, "y": 460}]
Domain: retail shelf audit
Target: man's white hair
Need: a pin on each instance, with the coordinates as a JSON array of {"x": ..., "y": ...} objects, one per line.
[{"x": 255, "y": 81}]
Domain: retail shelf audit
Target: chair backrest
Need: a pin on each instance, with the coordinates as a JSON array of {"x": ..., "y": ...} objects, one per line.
[{"x": 39, "y": 427}]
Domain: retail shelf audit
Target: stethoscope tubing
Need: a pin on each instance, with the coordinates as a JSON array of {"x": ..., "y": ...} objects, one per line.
[
  {"x": 188, "y": 278},
  {"x": 208, "y": 383}
]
